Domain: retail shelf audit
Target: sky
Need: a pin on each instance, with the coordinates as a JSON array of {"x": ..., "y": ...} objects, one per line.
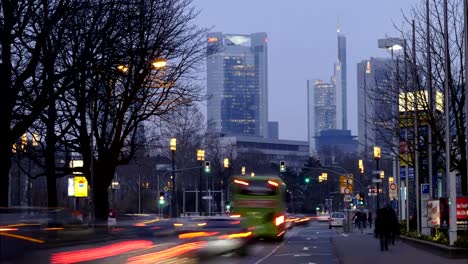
[{"x": 302, "y": 45}]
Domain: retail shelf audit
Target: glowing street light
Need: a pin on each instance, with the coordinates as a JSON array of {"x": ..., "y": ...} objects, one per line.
[{"x": 159, "y": 63}]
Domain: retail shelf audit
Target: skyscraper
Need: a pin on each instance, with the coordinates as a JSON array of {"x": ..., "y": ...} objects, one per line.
[
  {"x": 341, "y": 89},
  {"x": 321, "y": 108},
  {"x": 237, "y": 84},
  {"x": 373, "y": 79}
]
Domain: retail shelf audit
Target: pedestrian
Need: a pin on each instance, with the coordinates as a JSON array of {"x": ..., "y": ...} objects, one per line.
[
  {"x": 357, "y": 219},
  {"x": 383, "y": 227},
  {"x": 395, "y": 227},
  {"x": 364, "y": 220},
  {"x": 369, "y": 219}
]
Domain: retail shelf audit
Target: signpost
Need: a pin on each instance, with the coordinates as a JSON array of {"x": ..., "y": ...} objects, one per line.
[
  {"x": 424, "y": 206},
  {"x": 393, "y": 193}
]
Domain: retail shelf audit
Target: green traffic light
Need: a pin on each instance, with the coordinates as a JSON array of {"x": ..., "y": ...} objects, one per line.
[
  {"x": 161, "y": 202},
  {"x": 307, "y": 180}
]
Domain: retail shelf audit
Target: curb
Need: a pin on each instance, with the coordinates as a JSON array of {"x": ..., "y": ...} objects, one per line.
[{"x": 438, "y": 249}]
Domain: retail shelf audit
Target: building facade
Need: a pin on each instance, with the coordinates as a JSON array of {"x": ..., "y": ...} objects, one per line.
[
  {"x": 341, "y": 84},
  {"x": 273, "y": 129},
  {"x": 373, "y": 83},
  {"x": 321, "y": 108},
  {"x": 237, "y": 85},
  {"x": 249, "y": 151}
]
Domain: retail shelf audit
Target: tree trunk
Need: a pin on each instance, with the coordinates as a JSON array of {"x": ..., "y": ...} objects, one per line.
[
  {"x": 5, "y": 145},
  {"x": 104, "y": 172}
]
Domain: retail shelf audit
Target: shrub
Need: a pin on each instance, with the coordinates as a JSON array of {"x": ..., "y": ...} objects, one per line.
[{"x": 462, "y": 242}]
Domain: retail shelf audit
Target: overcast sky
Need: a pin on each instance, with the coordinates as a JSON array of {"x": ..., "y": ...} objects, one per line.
[{"x": 303, "y": 45}]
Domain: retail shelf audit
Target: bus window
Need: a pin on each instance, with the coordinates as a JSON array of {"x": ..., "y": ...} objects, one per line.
[{"x": 258, "y": 188}]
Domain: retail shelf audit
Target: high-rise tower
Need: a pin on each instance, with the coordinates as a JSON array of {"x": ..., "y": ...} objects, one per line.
[
  {"x": 340, "y": 75},
  {"x": 237, "y": 84}
]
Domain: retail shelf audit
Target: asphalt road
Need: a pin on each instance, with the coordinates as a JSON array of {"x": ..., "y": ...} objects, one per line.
[{"x": 308, "y": 244}]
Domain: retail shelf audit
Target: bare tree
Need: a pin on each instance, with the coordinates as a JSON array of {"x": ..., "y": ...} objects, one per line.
[
  {"x": 116, "y": 87},
  {"x": 409, "y": 80},
  {"x": 28, "y": 53}
]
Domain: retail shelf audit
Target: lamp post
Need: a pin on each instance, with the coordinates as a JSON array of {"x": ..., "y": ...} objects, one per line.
[
  {"x": 377, "y": 155},
  {"x": 174, "y": 208},
  {"x": 200, "y": 158}
]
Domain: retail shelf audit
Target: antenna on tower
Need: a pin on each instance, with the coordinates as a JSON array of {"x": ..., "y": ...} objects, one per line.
[{"x": 338, "y": 25}]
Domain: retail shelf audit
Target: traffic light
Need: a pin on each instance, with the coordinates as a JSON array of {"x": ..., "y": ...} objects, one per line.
[
  {"x": 307, "y": 180},
  {"x": 162, "y": 198},
  {"x": 226, "y": 163},
  {"x": 207, "y": 167},
  {"x": 282, "y": 166},
  {"x": 243, "y": 170}
]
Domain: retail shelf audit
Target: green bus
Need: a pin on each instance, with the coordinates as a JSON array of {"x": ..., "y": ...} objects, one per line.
[{"x": 261, "y": 202}]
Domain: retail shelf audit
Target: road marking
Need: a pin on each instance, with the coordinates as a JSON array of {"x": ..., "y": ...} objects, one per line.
[
  {"x": 314, "y": 247},
  {"x": 303, "y": 254},
  {"x": 309, "y": 238},
  {"x": 345, "y": 235},
  {"x": 274, "y": 250},
  {"x": 305, "y": 248}
]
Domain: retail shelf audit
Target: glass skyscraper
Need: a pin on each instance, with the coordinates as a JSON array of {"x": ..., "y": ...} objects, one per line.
[
  {"x": 237, "y": 85},
  {"x": 321, "y": 104}
]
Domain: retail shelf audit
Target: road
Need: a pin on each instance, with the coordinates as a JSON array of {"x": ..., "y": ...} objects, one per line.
[{"x": 308, "y": 244}]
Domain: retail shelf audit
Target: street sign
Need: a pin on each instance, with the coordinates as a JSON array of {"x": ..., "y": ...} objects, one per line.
[
  {"x": 376, "y": 180},
  {"x": 166, "y": 188},
  {"x": 207, "y": 197},
  {"x": 347, "y": 191},
  {"x": 393, "y": 193},
  {"x": 376, "y": 172},
  {"x": 425, "y": 188},
  {"x": 346, "y": 181},
  {"x": 347, "y": 198}
]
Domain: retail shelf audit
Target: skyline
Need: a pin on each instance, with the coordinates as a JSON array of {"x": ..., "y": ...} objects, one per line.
[{"x": 311, "y": 50}]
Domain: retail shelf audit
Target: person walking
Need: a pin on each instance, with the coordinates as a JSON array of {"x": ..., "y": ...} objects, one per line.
[
  {"x": 394, "y": 226},
  {"x": 369, "y": 219},
  {"x": 364, "y": 220},
  {"x": 383, "y": 228}
]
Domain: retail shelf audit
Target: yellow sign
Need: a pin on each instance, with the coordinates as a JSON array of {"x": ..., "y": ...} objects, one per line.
[
  {"x": 346, "y": 182},
  {"x": 81, "y": 186}
]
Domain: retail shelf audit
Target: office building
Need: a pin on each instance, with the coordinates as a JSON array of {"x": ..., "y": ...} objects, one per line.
[
  {"x": 321, "y": 108},
  {"x": 273, "y": 129},
  {"x": 341, "y": 88},
  {"x": 237, "y": 86},
  {"x": 373, "y": 81}
]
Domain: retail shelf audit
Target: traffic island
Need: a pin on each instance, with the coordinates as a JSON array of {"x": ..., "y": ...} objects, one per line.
[{"x": 439, "y": 249}]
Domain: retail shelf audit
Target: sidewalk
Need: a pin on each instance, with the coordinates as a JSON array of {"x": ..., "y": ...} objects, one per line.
[{"x": 357, "y": 248}]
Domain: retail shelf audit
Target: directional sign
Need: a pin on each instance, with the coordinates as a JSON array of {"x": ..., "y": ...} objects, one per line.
[
  {"x": 346, "y": 181},
  {"x": 207, "y": 197},
  {"x": 376, "y": 180}
]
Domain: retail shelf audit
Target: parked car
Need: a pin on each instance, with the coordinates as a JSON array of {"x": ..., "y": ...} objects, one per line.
[{"x": 337, "y": 219}]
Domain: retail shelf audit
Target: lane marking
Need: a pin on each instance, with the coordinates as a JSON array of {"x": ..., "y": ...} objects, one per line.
[
  {"x": 305, "y": 248},
  {"x": 303, "y": 254},
  {"x": 275, "y": 249},
  {"x": 314, "y": 247}
]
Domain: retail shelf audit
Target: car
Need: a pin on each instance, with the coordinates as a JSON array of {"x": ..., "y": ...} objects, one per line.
[
  {"x": 337, "y": 219},
  {"x": 323, "y": 217},
  {"x": 220, "y": 235}
]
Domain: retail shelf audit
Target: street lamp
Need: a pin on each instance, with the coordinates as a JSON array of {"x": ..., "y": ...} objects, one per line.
[
  {"x": 173, "y": 144},
  {"x": 200, "y": 158},
  {"x": 159, "y": 63},
  {"x": 377, "y": 155}
]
